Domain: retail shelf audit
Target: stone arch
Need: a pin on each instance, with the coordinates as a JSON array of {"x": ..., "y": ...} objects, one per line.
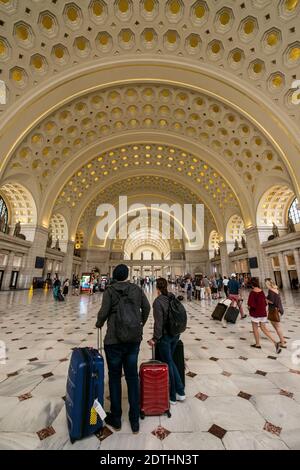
[
  {"x": 273, "y": 206},
  {"x": 234, "y": 231},
  {"x": 4, "y": 215},
  {"x": 237, "y": 99},
  {"x": 294, "y": 211},
  {"x": 149, "y": 240},
  {"x": 152, "y": 176},
  {"x": 21, "y": 207},
  {"x": 59, "y": 230}
]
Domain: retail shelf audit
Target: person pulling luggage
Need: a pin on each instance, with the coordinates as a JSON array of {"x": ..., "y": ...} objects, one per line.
[
  {"x": 167, "y": 332},
  {"x": 125, "y": 307},
  {"x": 234, "y": 294}
]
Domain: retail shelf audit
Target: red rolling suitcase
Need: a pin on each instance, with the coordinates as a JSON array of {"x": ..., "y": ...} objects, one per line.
[{"x": 154, "y": 383}]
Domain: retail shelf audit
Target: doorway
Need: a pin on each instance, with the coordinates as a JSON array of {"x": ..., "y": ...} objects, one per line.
[
  {"x": 1, "y": 277},
  {"x": 14, "y": 279},
  {"x": 278, "y": 279},
  {"x": 294, "y": 281}
]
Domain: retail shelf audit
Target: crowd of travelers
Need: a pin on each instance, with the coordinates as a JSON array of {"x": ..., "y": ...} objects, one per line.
[{"x": 125, "y": 308}]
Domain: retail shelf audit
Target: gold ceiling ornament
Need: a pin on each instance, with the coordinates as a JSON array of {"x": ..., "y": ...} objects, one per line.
[
  {"x": 199, "y": 111},
  {"x": 199, "y": 40}
]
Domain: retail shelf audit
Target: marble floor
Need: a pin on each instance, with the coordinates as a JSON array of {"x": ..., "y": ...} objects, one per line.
[{"x": 237, "y": 397}]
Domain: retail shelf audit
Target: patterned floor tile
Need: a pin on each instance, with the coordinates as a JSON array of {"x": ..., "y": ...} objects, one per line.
[{"x": 227, "y": 382}]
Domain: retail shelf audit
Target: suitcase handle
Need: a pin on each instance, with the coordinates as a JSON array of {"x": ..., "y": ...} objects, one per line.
[{"x": 99, "y": 340}]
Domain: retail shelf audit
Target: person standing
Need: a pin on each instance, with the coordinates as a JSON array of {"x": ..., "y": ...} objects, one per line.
[
  {"x": 234, "y": 294},
  {"x": 197, "y": 288},
  {"x": 220, "y": 286},
  {"x": 56, "y": 287},
  {"x": 91, "y": 285},
  {"x": 257, "y": 304},
  {"x": 166, "y": 344},
  {"x": 225, "y": 285},
  {"x": 189, "y": 289},
  {"x": 207, "y": 289},
  {"x": 274, "y": 303},
  {"x": 125, "y": 307},
  {"x": 202, "y": 288},
  {"x": 214, "y": 287},
  {"x": 66, "y": 287}
]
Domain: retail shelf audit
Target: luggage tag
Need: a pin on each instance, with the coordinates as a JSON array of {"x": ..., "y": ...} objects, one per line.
[{"x": 97, "y": 406}]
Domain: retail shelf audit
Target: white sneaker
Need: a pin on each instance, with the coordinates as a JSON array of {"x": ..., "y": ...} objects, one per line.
[
  {"x": 173, "y": 402},
  {"x": 180, "y": 397}
]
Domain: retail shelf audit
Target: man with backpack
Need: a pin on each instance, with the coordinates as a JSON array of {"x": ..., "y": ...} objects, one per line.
[
  {"x": 126, "y": 309},
  {"x": 170, "y": 320},
  {"x": 234, "y": 294}
]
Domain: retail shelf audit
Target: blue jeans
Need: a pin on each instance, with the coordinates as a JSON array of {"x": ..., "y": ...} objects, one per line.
[
  {"x": 117, "y": 356},
  {"x": 166, "y": 346}
]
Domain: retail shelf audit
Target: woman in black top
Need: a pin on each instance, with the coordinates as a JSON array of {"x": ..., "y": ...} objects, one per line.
[
  {"x": 274, "y": 300},
  {"x": 166, "y": 344}
]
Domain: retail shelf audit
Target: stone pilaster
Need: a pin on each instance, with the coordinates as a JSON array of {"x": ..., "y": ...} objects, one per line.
[
  {"x": 297, "y": 262},
  {"x": 255, "y": 250},
  {"x": 225, "y": 262},
  {"x": 67, "y": 270},
  {"x": 8, "y": 271},
  {"x": 38, "y": 248},
  {"x": 284, "y": 273}
]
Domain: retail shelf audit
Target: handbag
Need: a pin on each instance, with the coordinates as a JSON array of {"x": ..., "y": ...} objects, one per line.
[{"x": 274, "y": 314}]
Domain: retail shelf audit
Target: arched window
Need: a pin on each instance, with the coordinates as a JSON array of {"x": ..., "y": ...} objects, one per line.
[
  {"x": 294, "y": 212},
  {"x": 3, "y": 216}
]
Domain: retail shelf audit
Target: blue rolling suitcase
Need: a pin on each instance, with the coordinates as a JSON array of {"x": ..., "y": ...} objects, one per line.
[{"x": 85, "y": 384}]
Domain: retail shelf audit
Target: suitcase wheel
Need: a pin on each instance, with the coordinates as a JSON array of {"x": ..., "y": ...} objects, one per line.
[
  {"x": 142, "y": 415},
  {"x": 169, "y": 414}
]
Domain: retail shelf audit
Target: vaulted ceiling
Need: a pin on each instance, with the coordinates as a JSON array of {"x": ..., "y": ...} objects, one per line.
[{"x": 196, "y": 92}]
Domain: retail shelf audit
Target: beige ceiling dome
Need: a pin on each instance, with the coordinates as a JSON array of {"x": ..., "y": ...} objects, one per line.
[{"x": 201, "y": 93}]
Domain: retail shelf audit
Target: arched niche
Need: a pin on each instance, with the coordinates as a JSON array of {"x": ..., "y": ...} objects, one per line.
[
  {"x": 213, "y": 243},
  {"x": 21, "y": 207},
  {"x": 234, "y": 231},
  {"x": 273, "y": 208},
  {"x": 59, "y": 231}
]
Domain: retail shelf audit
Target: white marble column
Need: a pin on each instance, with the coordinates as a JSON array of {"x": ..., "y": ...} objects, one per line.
[
  {"x": 284, "y": 273},
  {"x": 8, "y": 271},
  {"x": 297, "y": 262},
  {"x": 38, "y": 248},
  {"x": 255, "y": 250},
  {"x": 67, "y": 270},
  {"x": 225, "y": 264}
]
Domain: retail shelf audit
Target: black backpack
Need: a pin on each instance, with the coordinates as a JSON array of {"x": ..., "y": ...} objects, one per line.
[
  {"x": 128, "y": 318},
  {"x": 177, "y": 317}
]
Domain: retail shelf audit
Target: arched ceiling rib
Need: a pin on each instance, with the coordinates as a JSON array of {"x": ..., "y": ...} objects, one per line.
[
  {"x": 148, "y": 156},
  {"x": 143, "y": 189},
  {"x": 254, "y": 40},
  {"x": 56, "y": 141},
  {"x": 241, "y": 51}
]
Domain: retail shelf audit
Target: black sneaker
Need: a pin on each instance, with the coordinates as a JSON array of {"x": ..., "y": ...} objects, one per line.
[
  {"x": 111, "y": 422},
  {"x": 135, "y": 427}
]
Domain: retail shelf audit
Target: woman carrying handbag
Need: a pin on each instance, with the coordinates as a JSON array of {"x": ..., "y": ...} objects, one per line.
[{"x": 275, "y": 309}]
